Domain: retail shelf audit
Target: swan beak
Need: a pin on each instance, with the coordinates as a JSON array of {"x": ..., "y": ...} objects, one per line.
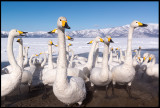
[
  {"x": 149, "y": 59},
  {"x": 18, "y": 40},
  {"x": 65, "y": 25},
  {"x": 139, "y": 58},
  {"x": 69, "y": 38},
  {"x": 139, "y": 47},
  {"x": 51, "y": 43},
  {"x": 53, "y": 31},
  {"x": 90, "y": 42},
  {"x": 56, "y": 45},
  {"x": 142, "y": 25},
  {"x": 144, "y": 59},
  {"x": 101, "y": 40},
  {"x": 36, "y": 55},
  {"x": 22, "y": 33},
  {"x": 70, "y": 44},
  {"x": 112, "y": 42}
]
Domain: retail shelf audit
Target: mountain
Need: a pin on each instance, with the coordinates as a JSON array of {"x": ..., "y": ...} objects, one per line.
[{"x": 152, "y": 30}]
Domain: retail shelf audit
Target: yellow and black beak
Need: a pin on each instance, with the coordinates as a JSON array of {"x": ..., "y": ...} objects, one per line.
[
  {"x": 53, "y": 31},
  {"x": 18, "y": 40},
  {"x": 110, "y": 40},
  {"x": 69, "y": 38},
  {"x": 142, "y": 25},
  {"x": 101, "y": 40},
  {"x": 65, "y": 25},
  {"x": 56, "y": 45},
  {"x": 51, "y": 43},
  {"x": 149, "y": 59},
  {"x": 22, "y": 33},
  {"x": 90, "y": 42},
  {"x": 144, "y": 59}
]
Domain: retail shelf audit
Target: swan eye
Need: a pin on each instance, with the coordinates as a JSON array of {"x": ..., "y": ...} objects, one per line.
[
  {"x": 136, "y": 22},
  {"x": 60, "y": 19}
]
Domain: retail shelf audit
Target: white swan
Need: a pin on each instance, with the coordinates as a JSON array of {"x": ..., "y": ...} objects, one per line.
[
  {"x": 125, "y": 73},
  {"x": 153, "y": 68},
  {"x": 67, "y": 90},
  {"x": 102, "y": 76},
  {"x": 89, "y": 65},
  {"x": 143, "y": 67},
  {"x": 26, "y": 74},
  {"x": 49, "y": 73},
  {"x": 121, "y": 55},
  {"x": 10, "y": 81}
]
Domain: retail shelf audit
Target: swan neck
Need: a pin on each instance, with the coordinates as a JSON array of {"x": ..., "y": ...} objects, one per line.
[
  {"x": 128, "y": 58},
  {"x": 20, "y": 56},
  {"x": 10, "y": 54},
  {"x": 110, "y": 57},
  {"x": 30, "y": 61},
  {"x": 95, "y": 60},
  {"x": 50, "y": 63},
  {"x": 61, "y": 76},
  {"x": 44, "y": 61},
  {"x": 105, "y": 58},
  {"x": 90, "y": 57},
  {"x": 71, "y": 59}
]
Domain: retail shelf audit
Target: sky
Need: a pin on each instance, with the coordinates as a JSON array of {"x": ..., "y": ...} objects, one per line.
[{"x": 42, "y": 16}]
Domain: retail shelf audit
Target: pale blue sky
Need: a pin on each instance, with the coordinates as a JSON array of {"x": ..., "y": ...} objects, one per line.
[{"x": 42, "y": 16}]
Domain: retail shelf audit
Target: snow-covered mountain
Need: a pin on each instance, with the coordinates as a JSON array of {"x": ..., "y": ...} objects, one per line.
[{"x": 152, "y": 30}]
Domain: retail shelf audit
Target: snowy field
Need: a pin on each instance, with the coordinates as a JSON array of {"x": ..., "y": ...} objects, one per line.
[{"x": 80, "y": 46}]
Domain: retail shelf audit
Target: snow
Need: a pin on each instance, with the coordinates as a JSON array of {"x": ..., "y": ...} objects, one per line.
[{"x": 80, "y": 46}]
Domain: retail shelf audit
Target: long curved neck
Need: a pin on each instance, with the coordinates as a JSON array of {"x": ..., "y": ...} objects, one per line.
[
  {"x": 121, "y": 55},
  {"x": 96, "y": 55},
  {"x": 61, "y": 76},
  {"x": 30, "y": 61},
  {"x": 128, "y": 58},
  {"x": 44, "y": 61},
  {"x": 90, "y": 57},
  {"x": 26, "y": 56},
  {"x": 105, "y": 59},
  {"x": 50, "y": 63},
  {"x": 71, "y": 59},
  {"x": 20, "y": 58},
  {"x": 10, "y": 54},
  {"x": 153, "y": 61}
]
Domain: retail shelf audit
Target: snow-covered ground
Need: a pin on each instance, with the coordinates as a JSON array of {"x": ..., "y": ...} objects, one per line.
[{"x": 80, "y": 45}]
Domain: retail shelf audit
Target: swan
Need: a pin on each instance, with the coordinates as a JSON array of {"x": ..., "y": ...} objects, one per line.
[
  {"x": 143, "y": 67},
  {"x": 89, "y": 65},
  {"x": 68, "y": 90},
  {"x": 125, "y": 73},
  {"x": 10, "y": 81},
  {"x": 102, "y": 76},
  {"x": 26, "y": 74},
  {"x": 67, "y": 51},
  {"x": 153, "y": 68},
  {"x": 121, "y": 55},
  {"x": 71, "y": 59},
  {"x": 111, "y": 63},
  {"x": 49, "y": 73}
]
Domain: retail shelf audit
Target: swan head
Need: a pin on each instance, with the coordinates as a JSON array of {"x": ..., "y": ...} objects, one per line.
[
  {"x": 98, "y": 39},
  {"x": 109, "y": 39},
  {"x": 15, "y": 33},
  {"x": 136, "y": 23},
  {"x": 19, "y": 40},
  {"x": 151, "y": 56},
  {"x": 50, "y": 42},
  {"x": 145, "y": 55},
  {"x": 139, "y": 47},
  {"x": 69, "y": 38},
  {"x": 62, "y": 23}
]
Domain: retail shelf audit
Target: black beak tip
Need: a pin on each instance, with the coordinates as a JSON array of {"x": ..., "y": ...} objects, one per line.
[{"x": 144, "y": 25}]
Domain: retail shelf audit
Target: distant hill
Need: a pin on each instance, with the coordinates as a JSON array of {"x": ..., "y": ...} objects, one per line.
[{"x": 152, "y": 30}]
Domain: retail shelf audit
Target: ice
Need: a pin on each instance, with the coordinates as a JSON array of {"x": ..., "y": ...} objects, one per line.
[{"x": 80, "y": 46}]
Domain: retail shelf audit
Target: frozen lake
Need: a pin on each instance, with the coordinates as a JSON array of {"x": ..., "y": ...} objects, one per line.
[{"x": 80, "y": 46}]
